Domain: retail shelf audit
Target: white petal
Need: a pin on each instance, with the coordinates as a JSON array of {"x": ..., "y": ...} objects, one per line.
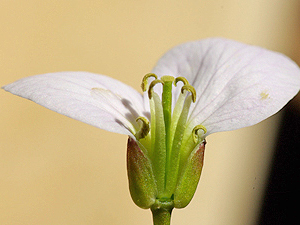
[
  {"x": 91, "y": 98},
  {"x": 237, "y": 85}
]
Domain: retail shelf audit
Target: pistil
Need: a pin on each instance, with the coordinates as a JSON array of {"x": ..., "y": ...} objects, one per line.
[{"x": 167, "y": 109}]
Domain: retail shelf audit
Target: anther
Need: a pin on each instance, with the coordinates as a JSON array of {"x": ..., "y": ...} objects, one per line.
[
  {"x": 182, "y": 79},
  {"x": 195, "y": 132},
  {"x": 191, "y": 89},
  {"x": 153, "y": 83},
  {"x": 145, "y": 80},
  {"x": 145, "y": 128}
]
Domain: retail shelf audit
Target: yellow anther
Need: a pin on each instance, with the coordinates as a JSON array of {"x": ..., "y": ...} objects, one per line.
[
  {"x": 191, "y": 89},
  {"x": 182, "y": 79},
  {"x": 195, "y": 132},
  {"x": 145, "y": 128},
  {"x": 153, "y": 83},
  {"x": 145, "y": 80}
]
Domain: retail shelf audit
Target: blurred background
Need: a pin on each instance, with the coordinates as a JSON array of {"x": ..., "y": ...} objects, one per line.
[{"x": 55, "y": 170}]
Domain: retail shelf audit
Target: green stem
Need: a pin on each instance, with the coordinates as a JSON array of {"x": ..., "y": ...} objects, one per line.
[
  {"x": 161, "y": 212},
  {"x": 161, "y": 216}
]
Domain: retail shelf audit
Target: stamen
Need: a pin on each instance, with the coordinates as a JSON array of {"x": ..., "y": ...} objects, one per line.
[
  {"x": 158, "y": 143},
  {"x": 182, "y": 79},
  {"x": 145, "y": 80},
  {"x": 153, "y": 83},
  {"x": 195, "y": 132},
  {"x": 191, "y": 89},
  {"x": 169, "y": 140},
  {"x": 145, "y": 128},
  {"x": 177, "y": 132},
  {"x": 177, "y": 112}
]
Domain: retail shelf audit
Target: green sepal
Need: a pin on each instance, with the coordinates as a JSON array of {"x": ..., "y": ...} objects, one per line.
[
  {"x": 189, "y": 177},
  {"x": 142, "y": 184}
]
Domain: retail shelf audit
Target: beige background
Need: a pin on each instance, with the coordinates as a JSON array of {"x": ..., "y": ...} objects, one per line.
[{"x": 55, "y": 170}]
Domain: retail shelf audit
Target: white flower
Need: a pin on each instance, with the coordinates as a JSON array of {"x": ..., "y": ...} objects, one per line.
[
  {"x": 232, "y": 85},
  {"x": 237, "y": 85}
]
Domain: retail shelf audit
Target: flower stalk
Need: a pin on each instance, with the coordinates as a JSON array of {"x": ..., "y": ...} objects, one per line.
[{"x": 161, "y": 213}]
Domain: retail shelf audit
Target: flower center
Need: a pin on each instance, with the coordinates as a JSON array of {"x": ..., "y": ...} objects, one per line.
[{"x": 166, "y": 139}]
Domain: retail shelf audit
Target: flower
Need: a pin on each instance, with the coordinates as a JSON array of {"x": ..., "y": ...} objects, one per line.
[{"x": 196, "y": 89}]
